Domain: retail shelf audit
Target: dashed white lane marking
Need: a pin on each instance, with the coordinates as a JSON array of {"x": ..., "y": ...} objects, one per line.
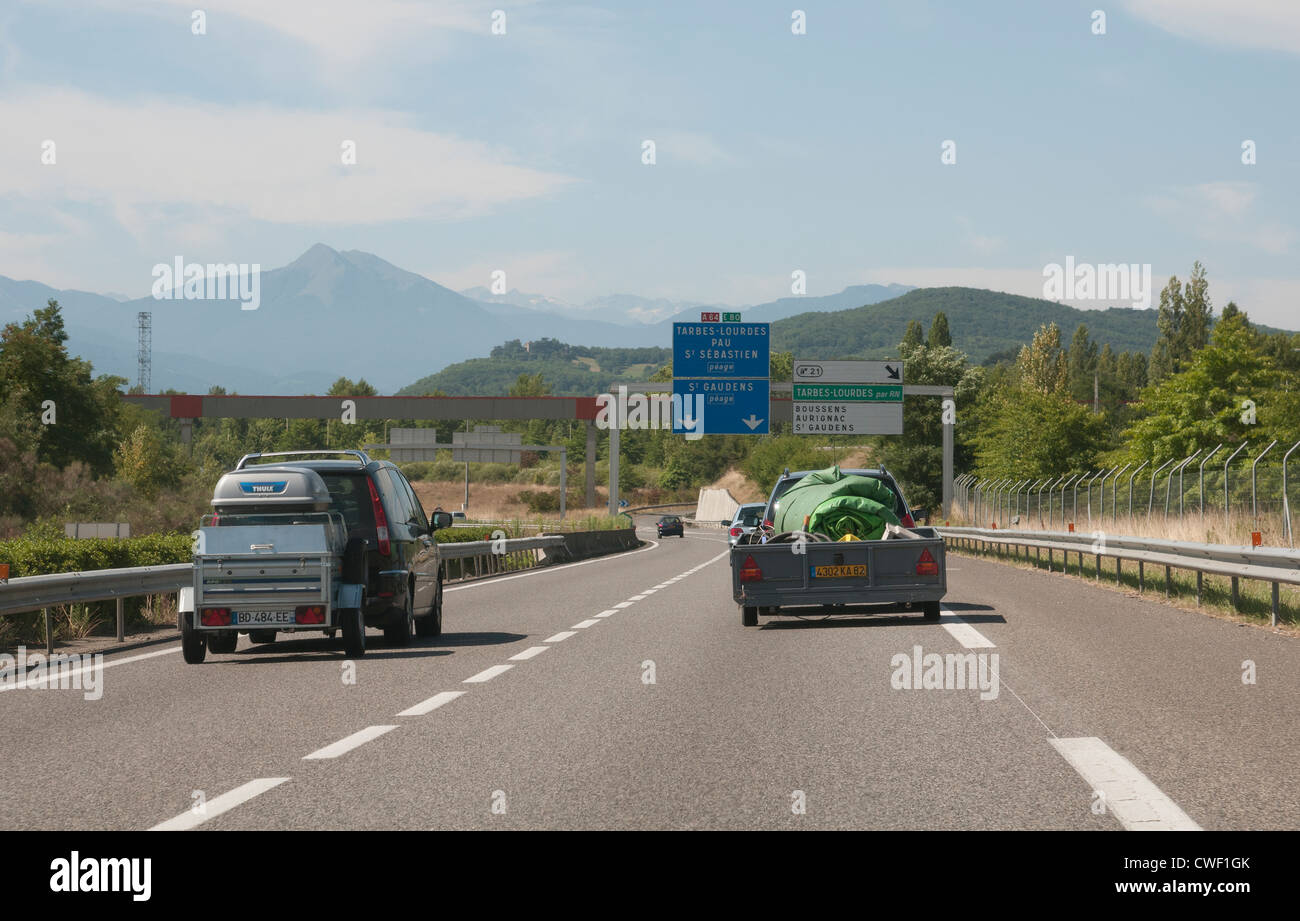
[
  {"x": 606, "y": 613},
  {"x": 487, "y": 674},
  {"x": 624, "y": 604},
  {"x": 651, "y": 544},
  {"x": 660, "y": 585},
  {"x": 1134, "y": 800},
  {"x": 589, "y": 622},
  {"x": 529, "y": 653},
  {"x": 21, "y": 683},
  {"x": 217, "y": 805},
  {"x": 963, "y": 632},
  {"x": 562, "y": 635},
  {"x": 343, "y": 746},
  {"x": 433, "y": 703},
  {"x": 640, "y": 597}
]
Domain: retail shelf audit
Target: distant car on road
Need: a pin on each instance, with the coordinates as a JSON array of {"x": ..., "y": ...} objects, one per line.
[
  {"x": 669, "y": 525},
  {"x": 747, "y": 518}
]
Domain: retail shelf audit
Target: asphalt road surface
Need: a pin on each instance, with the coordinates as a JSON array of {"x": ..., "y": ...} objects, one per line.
[{"x": 623, "y": 692}]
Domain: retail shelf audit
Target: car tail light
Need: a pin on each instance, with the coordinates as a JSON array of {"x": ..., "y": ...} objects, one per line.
[
  {"x": 216, "y": 617},
  {"x": 907, "y": 520},
  {"x": 736, "y": 532},
  {"x": 216, "y": 517},
  {"x": 750, "y": 571},
  {"x": 767, "y": 522},
  {"x": 926, "y": 566},
  {"x": 381, "y": 520},
  {"x": 309, "y": 614}
]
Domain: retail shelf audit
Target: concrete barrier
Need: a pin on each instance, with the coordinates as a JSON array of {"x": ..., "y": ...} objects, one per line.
[
  {"x": 715, "y": 504},
  {"x": 582, "y": 545}
]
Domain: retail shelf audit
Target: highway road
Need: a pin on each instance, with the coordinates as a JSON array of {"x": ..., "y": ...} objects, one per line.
[{"x": 623, "y": 692}]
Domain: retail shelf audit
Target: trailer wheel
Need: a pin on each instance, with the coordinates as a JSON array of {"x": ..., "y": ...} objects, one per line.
[
  {"x": 262, "y": 636},
  {"x": 223, "y": 643},
  {"x": 431, "y": 623},
  {"x": 931, "y": 609},
  {"x": 354, "y": 632},
  {"x": 749, "y": 616},
  {"x": 194, "y": 645}
]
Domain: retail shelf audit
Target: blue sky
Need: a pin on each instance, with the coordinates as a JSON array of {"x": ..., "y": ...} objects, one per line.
[{"x": 775, "y": 152}]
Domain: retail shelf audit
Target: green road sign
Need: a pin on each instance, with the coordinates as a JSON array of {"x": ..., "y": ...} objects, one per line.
[{"x": 850, "y": 393}]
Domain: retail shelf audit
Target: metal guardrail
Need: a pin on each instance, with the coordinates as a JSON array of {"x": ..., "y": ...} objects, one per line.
[
  {"x": 35, "y": 593},
  {"x": 1271, "y": 565}
]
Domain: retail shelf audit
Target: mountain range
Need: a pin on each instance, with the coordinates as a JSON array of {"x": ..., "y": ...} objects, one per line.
[{"x": 329, "y": 314}]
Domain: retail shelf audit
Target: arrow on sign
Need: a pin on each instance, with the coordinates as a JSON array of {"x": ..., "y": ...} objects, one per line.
[
  {"x": 892, "y": 372},
  {"x": 753, "y": 422}
]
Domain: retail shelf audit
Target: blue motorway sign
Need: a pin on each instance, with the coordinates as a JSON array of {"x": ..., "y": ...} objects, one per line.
[
  {"x": 720, "y": 407},
  {"x": 720, "y": 350}
]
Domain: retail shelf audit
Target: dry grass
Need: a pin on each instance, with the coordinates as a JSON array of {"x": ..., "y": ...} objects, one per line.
[{"x": 495, "y": 501}]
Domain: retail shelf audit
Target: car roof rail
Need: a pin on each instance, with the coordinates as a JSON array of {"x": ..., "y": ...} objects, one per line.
[{"x": 363, "y": 459}]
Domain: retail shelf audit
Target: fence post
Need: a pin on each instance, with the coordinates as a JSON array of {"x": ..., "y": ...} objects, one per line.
[
  {"x": 121, "y": 620},
  {"x": 1204, "y": 460},
  {"x": 49, "y": 631},
  {"x": 1169, "y": 482},
  {"x": 1114, "y": 494},
  {"x": 1286, "y": 500},
  {"x": 1227, "y": 493},
  {"x": 1180, "y": 481},
  {"x": 1151, "y": 496},
  {"x": 1130, "y": 487},
  {"x": 1254, "y": 505}
]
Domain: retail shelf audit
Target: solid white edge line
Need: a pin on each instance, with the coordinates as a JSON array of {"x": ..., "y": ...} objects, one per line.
[
  {"x": 529, "y": 653},
  {"x": 562, "y": 635},
  {"x": 1136, "y": 802},
  {"x": 488, "y": 674},
  {"x": 21, "y": 683},
  {"x": 347, "y": 743},
  {"x": 217, "y": 805},
  {"x": 963, "y": 632},
  {"x": 590, "y": 622},
  {"x": 433, "y": 703}
]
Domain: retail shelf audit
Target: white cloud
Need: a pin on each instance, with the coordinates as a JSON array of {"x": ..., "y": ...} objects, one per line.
[
  {"x": 164, "y": 163},
  {"x": 691, "y": 147},
  {"x": 340, "y": 30},
  {"x": 1271, "y": 24},
  {"x": 1222, "y": 212},
  {"x": 980, "y": 243}
]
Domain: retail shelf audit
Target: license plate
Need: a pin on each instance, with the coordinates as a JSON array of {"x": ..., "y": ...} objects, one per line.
[
  {"x": 839, "y": 572},
  {"x": 261, "y": 617}
]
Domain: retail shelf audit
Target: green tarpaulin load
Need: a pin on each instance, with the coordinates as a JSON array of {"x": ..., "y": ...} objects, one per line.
[{"x": 837, "y": 504}]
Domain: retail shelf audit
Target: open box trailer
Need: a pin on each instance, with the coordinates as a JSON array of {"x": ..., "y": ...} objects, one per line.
[{"x": 272, "y": 557}]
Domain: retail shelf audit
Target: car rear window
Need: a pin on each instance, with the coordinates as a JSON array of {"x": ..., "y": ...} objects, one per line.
[
  {"x": 750, "y": 517},
  {"x": 352, "y": 500}
]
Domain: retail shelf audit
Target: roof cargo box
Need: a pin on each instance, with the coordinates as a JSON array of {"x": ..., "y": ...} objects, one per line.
[{"x": 283, "y": 489}]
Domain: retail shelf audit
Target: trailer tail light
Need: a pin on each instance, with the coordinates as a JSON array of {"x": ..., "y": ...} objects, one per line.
[
  {"x": 381, "y": 520},
  {"x": 736, "y": 532},
  {"x": 767, "y": 522},
  {"x": 907, "y": 521},
  {"x": 750, "y": 572},
  {"x": 215, "y": 617},
  {"x": 926, "y": 566},
  {"x": 309, "y": 614}
]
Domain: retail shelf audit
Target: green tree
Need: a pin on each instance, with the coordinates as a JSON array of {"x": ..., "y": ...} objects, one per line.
[
  {"x": 530, "y": 385},
  {"x": 939, "y": 335},
  {"x": 913, "y": 338},
  {"x": 1198, "y": 315},
  {"x": 343, "y": 387},
  {"x": 1167, "y": 354},
  {"x": 78, "y": 415},
  {"x": 1028, "y": 433},
  {"x": 1041, "y": 364},
  {"x": 147, "y": 462},
  {"x": 1081, "y": 365}
]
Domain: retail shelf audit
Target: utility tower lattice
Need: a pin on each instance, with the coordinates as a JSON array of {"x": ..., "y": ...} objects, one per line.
[{"x": 145, "y": 358}]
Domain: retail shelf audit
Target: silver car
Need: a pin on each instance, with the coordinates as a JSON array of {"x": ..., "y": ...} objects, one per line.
[{"x": 747, "y": 518}]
